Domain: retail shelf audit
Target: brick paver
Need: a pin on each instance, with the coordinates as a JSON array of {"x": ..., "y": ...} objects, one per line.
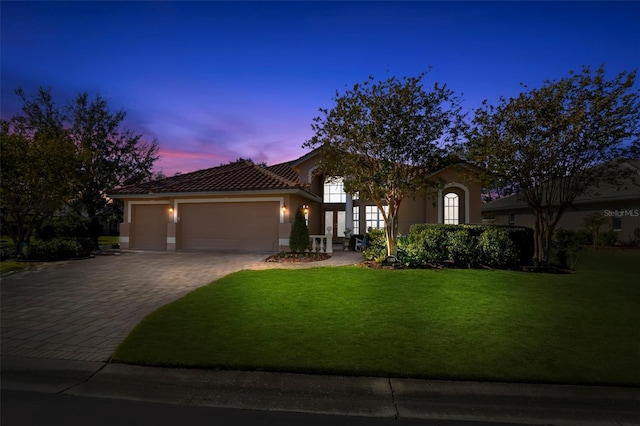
[{"x": 82, "y": 310}]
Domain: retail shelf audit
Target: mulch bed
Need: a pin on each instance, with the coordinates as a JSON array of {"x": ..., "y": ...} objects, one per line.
[{"x": 297, "y": 257}]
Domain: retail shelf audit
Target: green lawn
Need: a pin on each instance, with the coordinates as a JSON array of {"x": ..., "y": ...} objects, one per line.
[
  {"x": 12, "y": 265},
  {"x": 108, "y": 240},
  {"x": 580, "y": 328}
]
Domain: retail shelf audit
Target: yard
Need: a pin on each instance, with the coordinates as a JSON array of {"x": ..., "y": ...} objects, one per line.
[{"x": 580, "y": 328}]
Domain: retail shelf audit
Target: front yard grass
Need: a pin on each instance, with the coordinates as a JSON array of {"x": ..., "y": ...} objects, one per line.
[{"x": 580, "y": 328}]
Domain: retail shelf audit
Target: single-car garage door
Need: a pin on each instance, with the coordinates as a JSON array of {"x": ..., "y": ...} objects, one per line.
[
  {"x": 149, "y": 226},
  {"x": 240, "y": 226}
]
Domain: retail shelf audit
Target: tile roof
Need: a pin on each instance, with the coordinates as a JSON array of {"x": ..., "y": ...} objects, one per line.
[{"x": 242, "y": 175}]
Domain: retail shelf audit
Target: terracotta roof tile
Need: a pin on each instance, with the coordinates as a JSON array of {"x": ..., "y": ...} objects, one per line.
[{"x": 239, "y": 176}]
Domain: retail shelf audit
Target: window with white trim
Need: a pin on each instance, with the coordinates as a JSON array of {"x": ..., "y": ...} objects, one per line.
[
  {"x": 356, "y": 219},
  {"x": 334, "y": 191},
  {"x": 374, "y": 218},
  {"x": 451, "y": 208}
]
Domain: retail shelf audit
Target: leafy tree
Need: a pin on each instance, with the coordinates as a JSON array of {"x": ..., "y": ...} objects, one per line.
[
  {"x": 299, "y": 238},
  {"x": 554, "y": 142},
  {"x": 38, "y": 165},
  {"x": 109, "y": 156},
  {"x": 105, "y": 155},
  {"x": 384, "y": 139}
]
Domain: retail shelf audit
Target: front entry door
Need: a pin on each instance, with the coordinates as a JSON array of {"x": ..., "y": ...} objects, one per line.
[{"x": 336, "y": 220}]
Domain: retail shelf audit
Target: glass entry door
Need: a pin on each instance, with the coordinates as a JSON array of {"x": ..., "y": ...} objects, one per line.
[{"x": 336, "y": 219}]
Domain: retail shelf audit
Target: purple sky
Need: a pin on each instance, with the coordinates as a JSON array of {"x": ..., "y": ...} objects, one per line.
[{"x": 216, "y": 81}]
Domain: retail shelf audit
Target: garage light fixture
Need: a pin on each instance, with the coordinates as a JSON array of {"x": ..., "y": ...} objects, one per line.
[
  {"x": 284, "y": 208},
  {"x": 305, "y": 209},
  {"x": 170, "y": 210}
]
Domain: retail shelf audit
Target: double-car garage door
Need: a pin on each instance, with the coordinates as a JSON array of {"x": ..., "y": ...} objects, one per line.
[{"x": 235, "y": 226}]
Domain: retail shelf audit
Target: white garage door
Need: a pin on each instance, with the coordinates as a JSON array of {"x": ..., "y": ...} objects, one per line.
[
  {"x": 242, "y": 226},
  {"x": 149, "y": 226}
]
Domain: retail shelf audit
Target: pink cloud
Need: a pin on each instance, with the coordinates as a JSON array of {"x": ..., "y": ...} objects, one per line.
[{"x": 174, "y": 161}]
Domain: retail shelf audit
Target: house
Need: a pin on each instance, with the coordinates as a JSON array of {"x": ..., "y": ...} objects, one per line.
[
  {"x": 244, "y": 206},
  {"x": 619, "y": 203}
]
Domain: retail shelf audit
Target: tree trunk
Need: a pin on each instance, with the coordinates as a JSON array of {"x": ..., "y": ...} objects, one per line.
[
  {"x": 537, "y": 239},
  {"x": 391, "y": 231},
  {"x": 548, "y": 242}
]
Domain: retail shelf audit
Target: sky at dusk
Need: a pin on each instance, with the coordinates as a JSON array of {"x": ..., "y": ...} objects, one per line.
[{"x": 217, "y": 81}]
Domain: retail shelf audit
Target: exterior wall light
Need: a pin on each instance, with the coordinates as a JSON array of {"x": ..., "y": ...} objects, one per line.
[
  {"x": 170, "y": 210},
  {"x": 305, "y": 209},
  {"x": 284, "y": 208}
]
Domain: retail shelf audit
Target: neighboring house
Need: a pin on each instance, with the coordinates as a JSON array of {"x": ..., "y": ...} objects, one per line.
[
  {"x": 243, "y": 206},
  {"x": 619, "y": 203}
]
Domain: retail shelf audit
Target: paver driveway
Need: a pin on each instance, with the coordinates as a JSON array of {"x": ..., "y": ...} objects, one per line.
[{"x": 81, "y": 310}]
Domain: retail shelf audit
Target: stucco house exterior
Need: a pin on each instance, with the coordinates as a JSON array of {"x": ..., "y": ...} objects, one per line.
[
  {"x": 619, "y": 204},
  {"x": 244, "y": 206}
]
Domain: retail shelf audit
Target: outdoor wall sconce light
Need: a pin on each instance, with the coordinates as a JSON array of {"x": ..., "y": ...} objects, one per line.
[
  {"x": 305, "y": 208},
  {"x": 170, "y": 210},
  {"x": 284, "y": 208}
]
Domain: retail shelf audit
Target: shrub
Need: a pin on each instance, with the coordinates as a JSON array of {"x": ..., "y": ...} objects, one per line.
[
  {"x": 522, "y": 238},
  {"x": 423, "y": 245},
  {"x": 461, "y": 247},
  {"x": 496, "y": 246},
  {"x": 56, "y": 249},
  {"x": 584, "y": 236},
  {"x": 609, "y": 238},
  {"x": 567, "y": 245},
  {"x": 8, "y": 252},
  {"x": 376, "y": 245},
  {"x": 496, "y": 249},
  {"x": 299, "y": 237}
]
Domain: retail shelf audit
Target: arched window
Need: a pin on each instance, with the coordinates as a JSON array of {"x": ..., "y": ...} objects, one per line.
[{"x": 451, "y": 208}]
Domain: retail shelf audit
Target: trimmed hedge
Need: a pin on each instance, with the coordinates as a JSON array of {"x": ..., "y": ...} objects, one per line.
[{"x": 466, "y": 246}]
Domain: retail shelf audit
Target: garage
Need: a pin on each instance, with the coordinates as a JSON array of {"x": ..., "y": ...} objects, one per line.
[
  {"x": 150, "y": 226},
  {"x": 236, "y": 226}
]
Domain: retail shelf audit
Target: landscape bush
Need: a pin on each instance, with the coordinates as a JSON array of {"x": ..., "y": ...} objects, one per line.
[
  {"x": 376, "y": 245},
  {"x": 497, "y": 249},
  {"x": 608, "y": 238},
  {"x": 566, "y": 244},
  {"x": 465, "y": 246},
  {"x": 56, "y": 249},
  {"x": 462, "y": 247},
  {"x": 299, "y": 237}
]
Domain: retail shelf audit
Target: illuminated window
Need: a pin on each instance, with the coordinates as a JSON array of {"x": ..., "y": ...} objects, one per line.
[
  {"x": 451, "y": 207},
  {"x": 356, "y": 220},
  {"x": 374, "y": 218},
  {"x": 334, "y": 191}
]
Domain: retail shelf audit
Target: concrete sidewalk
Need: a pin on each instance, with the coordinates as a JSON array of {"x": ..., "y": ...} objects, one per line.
[{"x": 523, "y": 404}]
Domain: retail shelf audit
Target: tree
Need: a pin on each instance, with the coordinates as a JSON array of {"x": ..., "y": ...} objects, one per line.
[
  {"x": 555, "y": 142},
  {"x": 38, "y": 165},
  {"x": 384, "y": 139},
  {"x": 105, "y": 155},
  {"x": 109, "y": 156},
  {"x": 299, "y": 238}
]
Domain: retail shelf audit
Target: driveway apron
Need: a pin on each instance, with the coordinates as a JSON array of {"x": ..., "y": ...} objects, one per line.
[{"x": 82, "y": 310}]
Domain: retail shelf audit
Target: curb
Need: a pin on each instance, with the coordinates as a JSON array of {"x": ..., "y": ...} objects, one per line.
[{"x": 514, "y": 403}]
